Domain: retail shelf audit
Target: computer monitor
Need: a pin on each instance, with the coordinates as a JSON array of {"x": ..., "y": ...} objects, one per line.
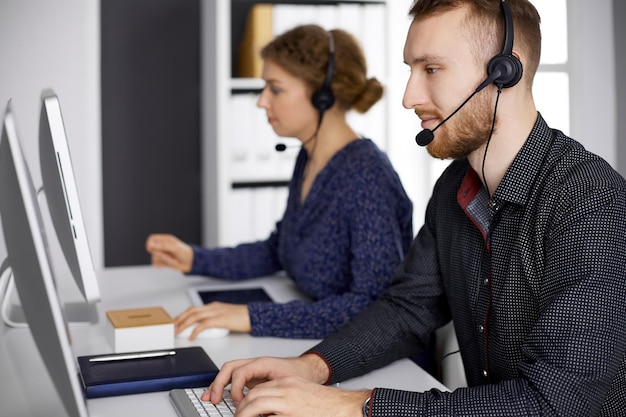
[
  {"x": 30, "y": 263},
  {"x": 59, "y": 187}
]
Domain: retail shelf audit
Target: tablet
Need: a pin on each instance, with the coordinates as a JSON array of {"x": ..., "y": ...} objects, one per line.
[{"x": 205, "y": 295}]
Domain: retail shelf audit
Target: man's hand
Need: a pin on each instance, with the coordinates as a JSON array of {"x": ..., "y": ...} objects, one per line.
[
  {"x": 295, "y": 396},
  {"x": 251, "y": 372}
]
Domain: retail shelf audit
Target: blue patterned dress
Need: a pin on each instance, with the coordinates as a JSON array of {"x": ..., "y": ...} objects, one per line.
[{"x": 340, "y": 246}]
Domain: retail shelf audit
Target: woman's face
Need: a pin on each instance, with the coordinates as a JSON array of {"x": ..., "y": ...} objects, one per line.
[{"x": 287, "y": 102}]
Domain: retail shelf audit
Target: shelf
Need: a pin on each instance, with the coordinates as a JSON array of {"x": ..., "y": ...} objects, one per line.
[{"x": 246, "y": 85}]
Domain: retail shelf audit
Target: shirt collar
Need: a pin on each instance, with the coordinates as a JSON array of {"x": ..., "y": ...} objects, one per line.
[{"x": 518, "y": 181}]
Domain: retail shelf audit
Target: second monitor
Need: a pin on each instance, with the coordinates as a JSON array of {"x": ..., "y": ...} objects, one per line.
[
  {"x": 65, "y": 213},
  {"x": 59, "y": 186}
]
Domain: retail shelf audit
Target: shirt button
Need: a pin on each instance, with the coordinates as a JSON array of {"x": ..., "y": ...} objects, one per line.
[
  {"x": 485, "y": 373},
  {"x": 486, "y": 281},
  {"x": 481, "y": 328}
]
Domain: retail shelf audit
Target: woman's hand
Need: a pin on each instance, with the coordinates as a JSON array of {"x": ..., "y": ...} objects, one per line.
[
  {"x": 169, "y": 251},
  {"x": 216, "y": 314}
]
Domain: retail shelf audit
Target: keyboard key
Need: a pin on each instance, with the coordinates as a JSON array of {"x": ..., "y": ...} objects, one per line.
[{"x": 187, "y": 403}]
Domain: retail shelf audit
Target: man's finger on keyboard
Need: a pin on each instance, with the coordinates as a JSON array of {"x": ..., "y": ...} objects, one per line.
[{"x": 224, "y": 377}]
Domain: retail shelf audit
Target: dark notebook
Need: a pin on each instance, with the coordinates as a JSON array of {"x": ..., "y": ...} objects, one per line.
[{"x": 189, "y": 367}]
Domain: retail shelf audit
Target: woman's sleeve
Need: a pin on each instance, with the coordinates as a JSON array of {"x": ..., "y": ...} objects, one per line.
[{"x": 247, "y": 260}]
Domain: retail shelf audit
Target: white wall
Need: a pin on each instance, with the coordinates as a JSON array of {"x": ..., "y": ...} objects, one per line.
[
  {"x": 593, "y": 83},
  {"x": 55, "y": 44}
]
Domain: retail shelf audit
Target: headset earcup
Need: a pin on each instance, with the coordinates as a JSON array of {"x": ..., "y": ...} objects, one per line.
[
  {"x": 323, "y": 99},
  {"x": 509, "y": 67}
]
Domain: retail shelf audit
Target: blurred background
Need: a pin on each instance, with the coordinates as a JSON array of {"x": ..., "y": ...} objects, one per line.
[{"x": 154, "y": 105}]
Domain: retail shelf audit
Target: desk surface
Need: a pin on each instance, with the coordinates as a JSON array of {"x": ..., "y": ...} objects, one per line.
[{"x": 27, "y": 390}]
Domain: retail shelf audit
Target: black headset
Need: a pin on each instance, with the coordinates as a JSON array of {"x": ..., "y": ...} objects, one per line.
[
  {"x": 505, "y": 68},
  {"x": 323, "y": 99}
]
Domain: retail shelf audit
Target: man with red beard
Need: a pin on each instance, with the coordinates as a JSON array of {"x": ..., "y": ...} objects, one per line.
[{"x": 523, "y": 247}]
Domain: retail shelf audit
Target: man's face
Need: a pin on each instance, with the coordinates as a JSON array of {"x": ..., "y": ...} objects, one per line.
[{"x": 444, "y": 72}]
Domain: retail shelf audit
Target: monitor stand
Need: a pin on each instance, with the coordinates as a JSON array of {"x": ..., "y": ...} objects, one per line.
[{"x": 76, "y": 313}]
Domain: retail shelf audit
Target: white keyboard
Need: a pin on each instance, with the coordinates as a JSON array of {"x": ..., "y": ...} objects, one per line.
[{"x": 187, "y": 403}]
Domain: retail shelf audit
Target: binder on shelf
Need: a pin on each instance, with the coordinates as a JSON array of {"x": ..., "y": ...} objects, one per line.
[
  {"x": 111, "y": 375},
  {"x": 257, "y": 33},
  {"x": 288, "y": 16},
  {"x": 265, "y": 139},
  {"x": 350, "y": 19},
  {"x": 373, "y": 42},
  {"x": 241, "y": 217},
  {"x": 242, "y": 109},
  {"x": 266, "y": 217},
  {"x": 325, "y": 16}
]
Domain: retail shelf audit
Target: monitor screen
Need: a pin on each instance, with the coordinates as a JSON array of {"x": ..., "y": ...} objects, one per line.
[
  {"x": 30, "y": 264},
  {"x": 59, "y": 187}
]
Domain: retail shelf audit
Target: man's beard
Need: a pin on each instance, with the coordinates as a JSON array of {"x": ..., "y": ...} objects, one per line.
[{"x": 464, "y": 132}]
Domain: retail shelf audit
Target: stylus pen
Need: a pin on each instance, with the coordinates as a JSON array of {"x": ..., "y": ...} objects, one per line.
[{"x": 128, "y": 356}]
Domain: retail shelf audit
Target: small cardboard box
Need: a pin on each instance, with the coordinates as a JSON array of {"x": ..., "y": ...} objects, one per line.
[{"x": 140, "y": 329}]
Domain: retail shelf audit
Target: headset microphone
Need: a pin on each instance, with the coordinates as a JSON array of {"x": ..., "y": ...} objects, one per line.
[
  {"x": 426, "y": 136},
  {"x": 322, "y": 99},
  {"x": 281, "y": 147}
]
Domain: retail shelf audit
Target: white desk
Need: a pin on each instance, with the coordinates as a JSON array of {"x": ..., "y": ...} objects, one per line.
[{"x": 27, "y": 390}]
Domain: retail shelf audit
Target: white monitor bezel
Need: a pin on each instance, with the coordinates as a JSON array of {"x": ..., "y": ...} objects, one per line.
[
  {"x": 36, "y": 287},
  {"x": 68, "y": 220}
]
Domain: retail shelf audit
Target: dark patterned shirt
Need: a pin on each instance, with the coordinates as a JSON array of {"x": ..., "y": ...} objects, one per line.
[
  {"x": 341, "y": 246},
  {"x": 534, "y": 281}
]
